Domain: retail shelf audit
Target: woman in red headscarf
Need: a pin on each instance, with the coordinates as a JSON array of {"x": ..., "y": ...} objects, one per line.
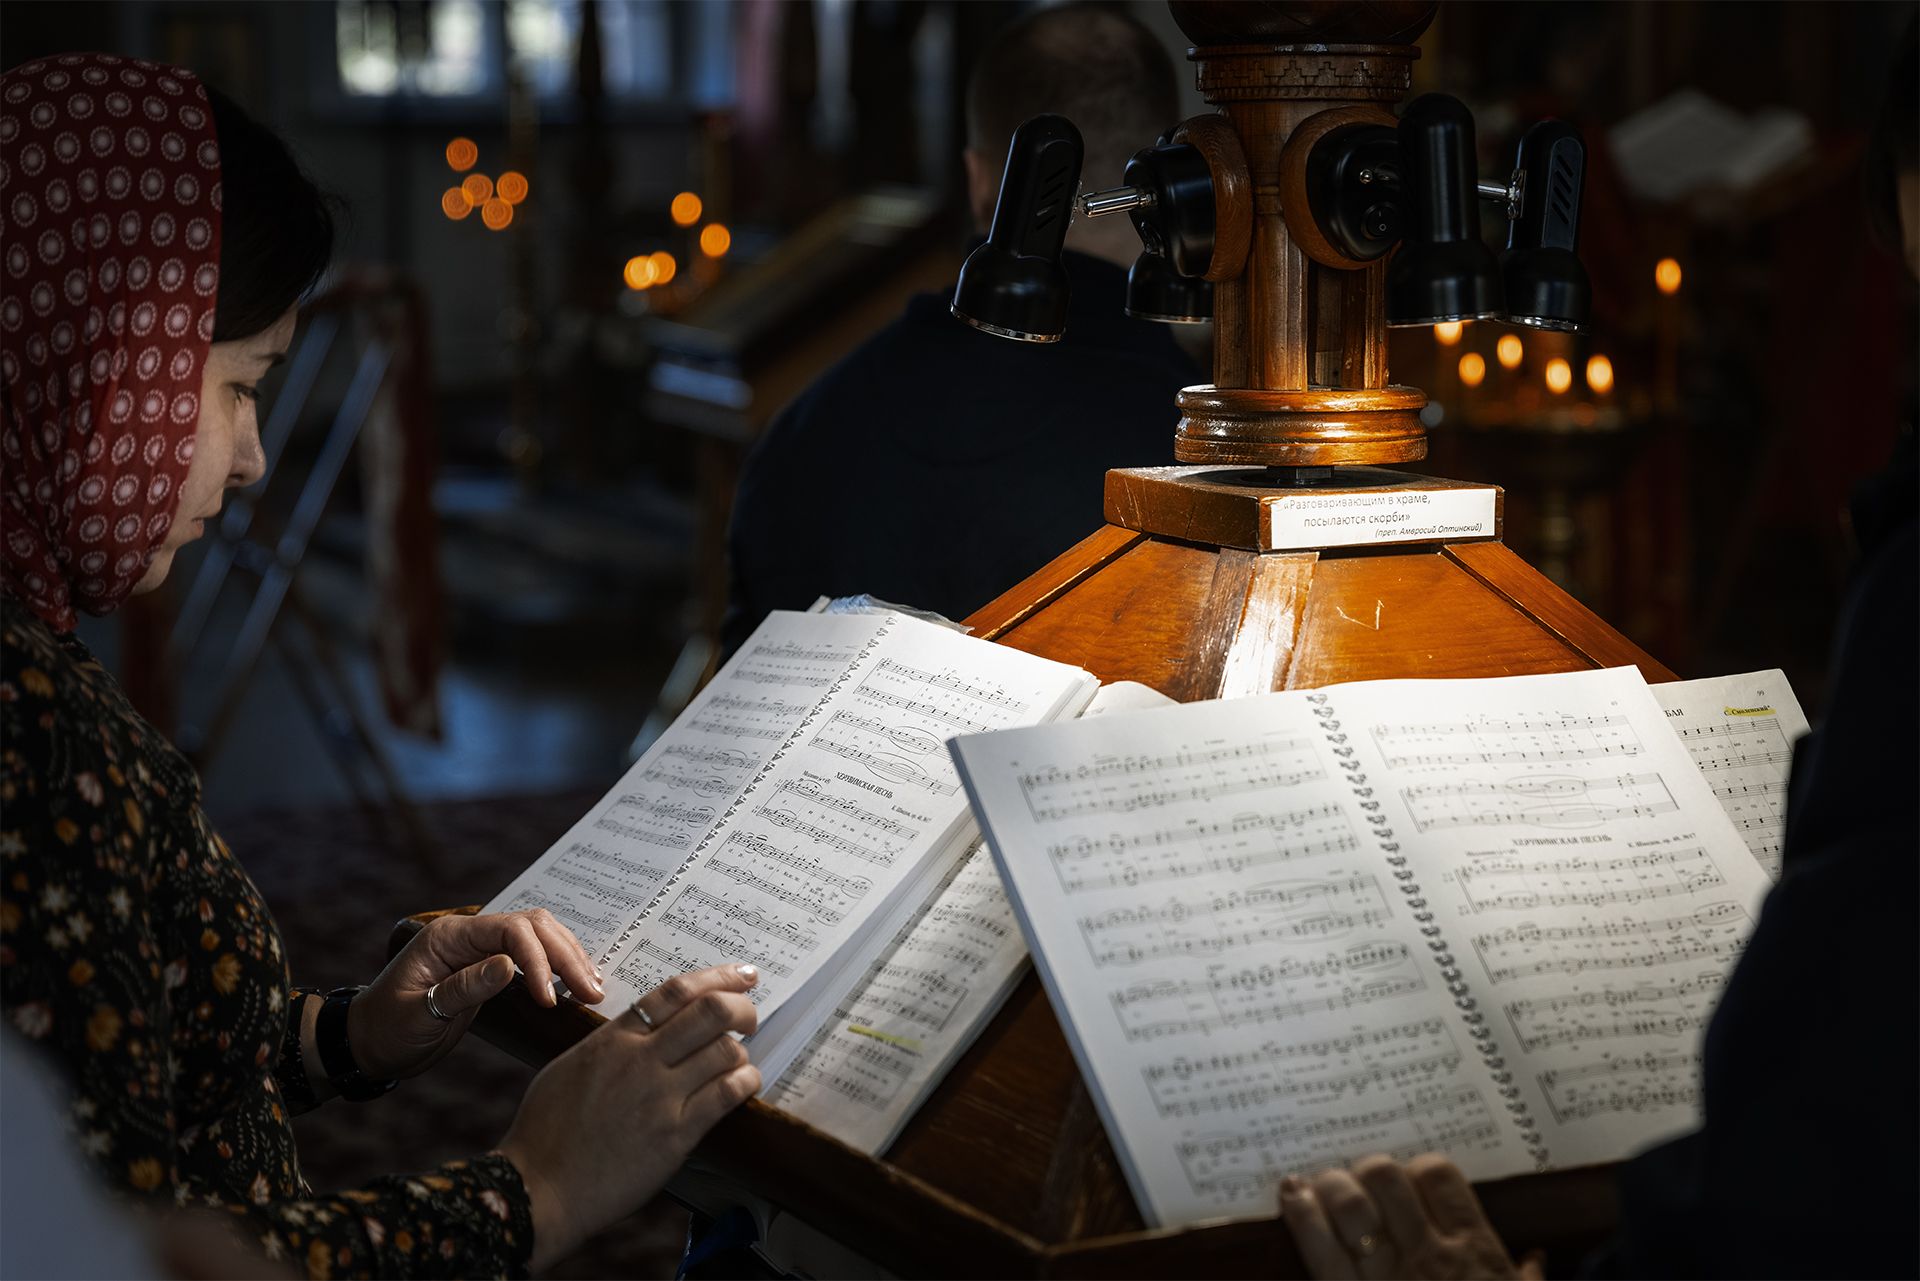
[{"x": 156, "y": 242}]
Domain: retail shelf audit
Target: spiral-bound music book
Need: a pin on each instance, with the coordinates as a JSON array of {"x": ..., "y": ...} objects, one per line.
[
  {"x": 796, "y": 816},
  {"x": 1487, "y": 917}
]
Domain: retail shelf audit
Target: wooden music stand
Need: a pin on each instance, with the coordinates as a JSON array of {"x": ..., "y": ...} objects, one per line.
[{"x": 1006, "y": 1170}]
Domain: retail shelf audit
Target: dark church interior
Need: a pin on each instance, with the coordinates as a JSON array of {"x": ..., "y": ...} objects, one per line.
[{"x": 589, "y": 252}]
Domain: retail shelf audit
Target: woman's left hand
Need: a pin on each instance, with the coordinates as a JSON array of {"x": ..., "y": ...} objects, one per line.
[{"x": 471, "y": 959}]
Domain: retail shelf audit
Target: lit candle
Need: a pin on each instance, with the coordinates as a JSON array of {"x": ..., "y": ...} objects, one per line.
[
  {"x": 1559, "y": 375},
  {"x": 1599, "y": 374}
]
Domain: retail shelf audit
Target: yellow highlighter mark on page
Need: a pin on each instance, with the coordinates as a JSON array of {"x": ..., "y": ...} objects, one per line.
[
  {"x": 1747, "y": 711},
  {"x": 904, "y": 1042}
]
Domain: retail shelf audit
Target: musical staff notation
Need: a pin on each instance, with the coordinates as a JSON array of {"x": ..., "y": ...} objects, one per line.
[
  {"x": 1507, "y": 882},
  {"x": 990, "y": 695},
  {"x": 1126, "y": 784},
  {"x": 812, "y": 867},
  {"x": 1304, "y": 1074},
  {"x": 772, "y": 708},
  {"x": 813, "y": 902},
  {"x": 1198, "y": 848},
  {"x": 1556, "y": 801},
  {"x": 1714, "y": 932},
  {"x": 729, "y": 927},
  {"x": 1679, "y": 1008},
  {"x": 1275, "y": 913},
  {"x": 884, "y": 764},
  {"x": 1451, "y": 1118},
  {"x": 1252, "y": 995},
  {"x": 804, "y": 789},
  {"x": 815, "y": 831},
  {"x": 1506, "y": 740},
  {"x": 1649, "y": 1082}
]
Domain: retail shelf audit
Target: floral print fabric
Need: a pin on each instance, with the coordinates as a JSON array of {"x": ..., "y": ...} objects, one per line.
[{"x": 136, "y": 952}]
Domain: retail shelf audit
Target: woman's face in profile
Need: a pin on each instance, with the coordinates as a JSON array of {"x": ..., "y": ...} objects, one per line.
[{"x": 226, "y": 440}]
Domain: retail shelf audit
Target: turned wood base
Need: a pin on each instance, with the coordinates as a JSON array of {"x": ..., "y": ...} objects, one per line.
[{"x": 1319, "y": 427}]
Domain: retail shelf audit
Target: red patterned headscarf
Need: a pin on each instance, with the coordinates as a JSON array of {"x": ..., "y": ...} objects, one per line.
[{"x": 110, "y": 222}]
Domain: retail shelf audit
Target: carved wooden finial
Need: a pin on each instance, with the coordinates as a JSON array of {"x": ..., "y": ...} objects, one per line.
[{"x": 1300, "y": 335}]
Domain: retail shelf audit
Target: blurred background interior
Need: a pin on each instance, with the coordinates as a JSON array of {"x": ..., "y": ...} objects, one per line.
[{"x": 594, "y": 245}]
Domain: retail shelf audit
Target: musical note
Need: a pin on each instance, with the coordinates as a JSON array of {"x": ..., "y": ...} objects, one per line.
[
  {"x": 1201, "y": 847},
  {"x": 1657, "y": 1080},
  {"x": 1240, "y": 1164},
  {"x": 1125, "y": 784},
  {"x": 1278, "y": 912},
  {"x": 1502, "y": 740},
  {"x": 1505, "y": 882},
  {"x": 1712, "y": 932},
  {"x": 1552, "y": 801}
]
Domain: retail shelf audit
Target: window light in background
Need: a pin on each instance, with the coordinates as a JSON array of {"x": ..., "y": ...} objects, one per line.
[
  {"x": 1509, "y": 350},
  {"x": 461, "y": 154},
  {"x": 1559, "y": 375},
  {"x": 686, "y": 209},
  {"x": 1447, "y": 332},
  {"x": 715, "y": 239},
  {"x": 454, "y": 203},
  {"x": 512, "y": 187},
  {"x": 1600, "y": 374},
  {"x": 1473, "y": 368},
  {"x": 1666, "y": 275}
]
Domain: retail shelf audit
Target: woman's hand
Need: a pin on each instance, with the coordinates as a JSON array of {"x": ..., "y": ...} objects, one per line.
[
  {"x": 1384, "y": 1219},
  {"x": 470, "y": 959},
  {"x": 604, "y": 1126}
]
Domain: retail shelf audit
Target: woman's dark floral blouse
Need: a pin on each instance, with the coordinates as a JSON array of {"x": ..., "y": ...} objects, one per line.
[{"x": 135, "y": 951}]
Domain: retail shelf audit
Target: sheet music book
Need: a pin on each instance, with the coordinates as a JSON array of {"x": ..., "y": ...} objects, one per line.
[
  {"x": 797, "y": 813},
  {"x": 921, "y": 1003},
  {"x": 1741, "y": 731},
  {"x": 1489, "y": 917}
]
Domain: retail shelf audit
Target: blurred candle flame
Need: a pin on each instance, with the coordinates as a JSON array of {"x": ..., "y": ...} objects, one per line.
[
  {"x": 454, "y": 203},
  {"x": 1666, "y": 276},
  {"x": 477, "y": 188},
  {"x": 1600, "y": 374},
  {"x": 1559, "y": 375},
  {"x": 1473, "y": 368},
  {"x": 1448, "y": 332},
  {"x": 1510, "y": 350},
  {"x": 715, "y": 239},
  {"x": 512, "y": 187},
  {"x": 461, "y": 154},
  {"x": 685, "y": 209}
]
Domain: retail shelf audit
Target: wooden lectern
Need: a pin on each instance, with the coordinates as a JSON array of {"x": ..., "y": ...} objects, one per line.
[{"x": 1190, "y": 589}]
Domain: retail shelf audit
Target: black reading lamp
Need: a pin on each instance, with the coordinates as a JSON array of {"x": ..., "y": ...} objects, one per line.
[
  {"x": 1014, "y": 285},
  {"x": 1546, "y": 286},
  {"x": 1370, "y": 188}
]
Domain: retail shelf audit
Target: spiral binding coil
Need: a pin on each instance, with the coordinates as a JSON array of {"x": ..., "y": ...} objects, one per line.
[
  {"x": 759, "y": 775},
  {"x": 1348, "y": 762}
]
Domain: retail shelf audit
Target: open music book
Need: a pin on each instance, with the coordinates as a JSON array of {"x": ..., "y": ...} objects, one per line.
[
  {"x": 1489, "y": 917},
  {"x": 796, "y": 816}
]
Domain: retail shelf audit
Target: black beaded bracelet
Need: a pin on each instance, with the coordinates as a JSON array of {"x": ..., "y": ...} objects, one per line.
[{"x": 336, "y": 1056}]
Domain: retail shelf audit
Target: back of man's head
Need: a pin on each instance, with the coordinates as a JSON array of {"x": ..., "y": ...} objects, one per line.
[{"x": 1089, "y": 62}]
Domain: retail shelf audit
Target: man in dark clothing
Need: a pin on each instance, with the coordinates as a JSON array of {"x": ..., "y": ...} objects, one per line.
[{"x": 937, "y": 466}]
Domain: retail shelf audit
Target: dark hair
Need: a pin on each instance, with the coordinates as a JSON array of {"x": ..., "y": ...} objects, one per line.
[
  {"x": 1093, "y": 64},
  {"x": 276, "y": 226}
]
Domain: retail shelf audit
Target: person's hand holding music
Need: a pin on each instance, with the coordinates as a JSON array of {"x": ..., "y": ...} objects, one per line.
[
  {"x": 1382, "y": 1218},
  {"x": 410, "y": 1017},
  {"x": 604, "y": 1126}
]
